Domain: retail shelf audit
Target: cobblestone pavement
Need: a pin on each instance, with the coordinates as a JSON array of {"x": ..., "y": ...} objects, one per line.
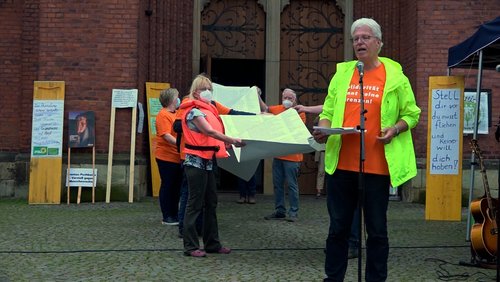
[{"x": 126, "y": 242}]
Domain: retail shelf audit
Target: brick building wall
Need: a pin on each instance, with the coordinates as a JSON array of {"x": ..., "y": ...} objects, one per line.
[
  {"x": 165, "y": 46},
  {"x": 98, "y": 45},
  {"x": 10, "y": 73},
  {"x": 443, "y": 24},
  {"x": 94, "y": 46},
  {"x": 170, "y": 38}
]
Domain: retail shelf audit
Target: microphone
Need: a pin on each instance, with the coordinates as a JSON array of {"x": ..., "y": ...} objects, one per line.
[
  {"x": 497, "y": 68},
  {"x": 360, "y": 67}
]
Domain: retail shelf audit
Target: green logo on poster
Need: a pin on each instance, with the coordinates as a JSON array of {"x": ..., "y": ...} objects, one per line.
[
  {"x": 39, "y": 151},
  {"x": 53, "y": 151}
]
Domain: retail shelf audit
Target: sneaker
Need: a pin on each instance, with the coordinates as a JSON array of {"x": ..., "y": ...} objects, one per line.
[
  {"x": 275, "y": 216},
  {"x": 222, "y": 250},
  {"x": 170, "y": 221},
  {"x": 196, "y": 253},
  {"x": 251, "y": 200},
  {"x": 292, "y": 218},
  {"x": 242, "y": 200}
]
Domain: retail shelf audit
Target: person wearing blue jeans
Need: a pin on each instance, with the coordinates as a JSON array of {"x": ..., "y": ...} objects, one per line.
[
  {"x": 285, "y": 168},
  {"x": 285, "y": 171}
]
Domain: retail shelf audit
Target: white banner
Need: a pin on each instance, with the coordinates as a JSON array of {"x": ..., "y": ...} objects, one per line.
[{"x": 81, "y": 177}]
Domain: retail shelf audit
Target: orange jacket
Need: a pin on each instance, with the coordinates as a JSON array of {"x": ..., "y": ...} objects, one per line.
[
  {"x": 221, "y": 109},
  {"x": 197, "y": 143}
]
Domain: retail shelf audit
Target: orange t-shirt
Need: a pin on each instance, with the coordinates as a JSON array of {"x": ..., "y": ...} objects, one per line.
[
  {"x": 223, "y": 110},
  {"x": 163, "y": 149},
  {"x": 278, "y": 109},
  {"x": 373, "y": 89}
]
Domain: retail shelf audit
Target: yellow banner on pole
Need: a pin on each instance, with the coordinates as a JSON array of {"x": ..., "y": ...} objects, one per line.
[{"x": 46, "y": 143}]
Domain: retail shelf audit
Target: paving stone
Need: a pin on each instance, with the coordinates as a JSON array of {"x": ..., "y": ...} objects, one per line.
[{"x": 125, "y": 242}]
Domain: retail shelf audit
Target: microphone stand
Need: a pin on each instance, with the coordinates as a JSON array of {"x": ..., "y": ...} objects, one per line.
[{"x": 361, "y": 179}]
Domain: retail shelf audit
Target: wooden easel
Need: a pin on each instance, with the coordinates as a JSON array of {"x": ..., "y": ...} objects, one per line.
[{"x": 78, "y": 198}]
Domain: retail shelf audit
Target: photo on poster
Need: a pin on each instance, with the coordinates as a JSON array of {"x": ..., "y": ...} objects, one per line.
[
  {"x": 81, "y": 129},
  {"x": 470, "y": 104}
]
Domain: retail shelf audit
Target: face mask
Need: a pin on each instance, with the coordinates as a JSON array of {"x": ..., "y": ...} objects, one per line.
[
  {"x": 287, "y": 103},
  {"x": 177, "y": 103},
  {"x": 206, "y": 96}
]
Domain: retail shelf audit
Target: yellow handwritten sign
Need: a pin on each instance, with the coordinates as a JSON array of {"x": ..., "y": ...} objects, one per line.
[
  {"x": 444, "y": 148},
  {"x": 46, "y": 145}
]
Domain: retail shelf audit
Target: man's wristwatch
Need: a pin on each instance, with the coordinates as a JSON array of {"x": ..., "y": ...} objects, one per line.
[{"x": 397, "y": 130}]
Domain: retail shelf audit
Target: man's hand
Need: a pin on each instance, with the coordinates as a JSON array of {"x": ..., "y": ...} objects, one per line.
[
  {"x": 300, "y": 108},
  {"x": 386, "y": 135},
  {"x": 238, "y": 143},
  {"x": 319, "y": 136}
]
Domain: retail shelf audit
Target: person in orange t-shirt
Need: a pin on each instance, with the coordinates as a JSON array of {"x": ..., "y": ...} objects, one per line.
[
  {"x": 286, "y": 168},
  {"x": 387, "y": 102},
  {"x": 167, "y": 157}
]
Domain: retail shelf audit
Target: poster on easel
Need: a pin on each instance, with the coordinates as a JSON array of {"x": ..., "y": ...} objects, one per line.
[
  {"x": 81, "y": 134},
  {"x": 153, "y": 90},
  {"x": 81, "y": 125},
  {"x": 470, "y": 104},
  {"x": 444, "y": 148},
  {"x": 46, "y": 142}
]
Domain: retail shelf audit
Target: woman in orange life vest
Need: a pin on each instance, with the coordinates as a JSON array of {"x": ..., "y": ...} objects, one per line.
[
  {"x": 177, "y": 128},
  {"x": 204, "y": 141}
]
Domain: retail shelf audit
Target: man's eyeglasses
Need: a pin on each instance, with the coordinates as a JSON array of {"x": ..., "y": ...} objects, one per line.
[{"x": 362, "y": 38}]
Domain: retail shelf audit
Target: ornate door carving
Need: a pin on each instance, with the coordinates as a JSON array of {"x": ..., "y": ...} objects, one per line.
[{"x": 233, "y": 30}]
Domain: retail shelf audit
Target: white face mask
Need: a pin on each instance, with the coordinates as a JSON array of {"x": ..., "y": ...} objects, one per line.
[
  {"x": 177, "y": 102},
  {"x": 287, "y": 104},
  {"x": 206, "y": 96}
]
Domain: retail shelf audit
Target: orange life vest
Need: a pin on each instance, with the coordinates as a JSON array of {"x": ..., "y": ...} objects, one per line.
[{"x": 197, "y": 143}]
